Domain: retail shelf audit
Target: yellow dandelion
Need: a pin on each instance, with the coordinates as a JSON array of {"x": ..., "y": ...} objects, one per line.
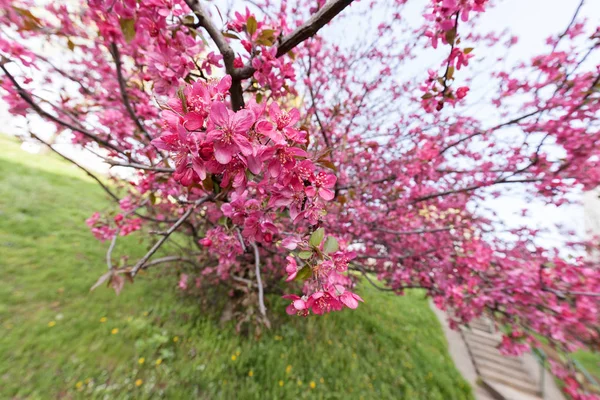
[
  {"x": 176, "y": 339},
  {"x": 288, "y": 369},
  {"x": 299, "y": 382},
  {"x": 114, "y": 331},
  {"x": 322, "y": 380},
  {"x": 51, "y": 324},
  {"x": 280, "y": 383},
  {"x": 278, "y": 338},
  {"x": 250, "y": 373},
  {"x": 233, "y": 357},
  {"x": 145, "y": 313},
  {"x": 141, "y": 360},
  {"x": 103, "y": 319},
  {"x": 158, "y": 362},
  {"x": 79, "y": 385},
  {"x": 313, "y": 384},
  {"x": 139, "y": 382}
]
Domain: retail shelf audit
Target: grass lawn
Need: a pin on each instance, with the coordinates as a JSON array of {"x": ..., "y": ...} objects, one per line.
[{"x": 58, "y": 340}]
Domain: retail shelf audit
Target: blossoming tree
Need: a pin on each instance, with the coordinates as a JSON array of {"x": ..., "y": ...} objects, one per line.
[{"x": 286, "y": 154}]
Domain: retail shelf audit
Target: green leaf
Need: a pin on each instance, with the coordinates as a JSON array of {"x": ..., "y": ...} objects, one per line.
[
  {"x": 208, "y": 184},
  {"x": 331, "y": 245},
  {"x": 251, "y": 25},
  {"x": 450, "y": 73},
  {"x": 29, "y": 21},
  {"x": 259, "y": 97},
  {"x": 427, "y": 96},
  {"x": 181, "y": 96},
  {"x": 231, "y": 35},
  {"x": 304, "y": 273},
  {"x": 188, "y": 20},
  {"x": 317, "y": 237},
  {"x": 467, "y": 50},
  {"x": 451, "y": 36},
  {"x": 327, "y": 164},
  {"x": 305, "y": 255},
  {"x": 266, "y": 37},
  {"x": 128, "y": 28}
]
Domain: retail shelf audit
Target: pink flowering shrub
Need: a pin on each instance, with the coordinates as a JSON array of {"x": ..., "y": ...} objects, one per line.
[{"x": 304, "y": 163}]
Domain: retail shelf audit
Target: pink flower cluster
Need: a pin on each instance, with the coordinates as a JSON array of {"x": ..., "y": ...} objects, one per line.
[{"x": 260, "y": 154}]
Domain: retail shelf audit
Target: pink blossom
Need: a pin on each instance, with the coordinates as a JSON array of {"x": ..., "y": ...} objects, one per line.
[
  {"x": 322, "y": 302},
  {"x": 229, "y": 132},
  {"x": 298, "y": 306},
  {"x": 291, "y": 268},
  {"x": 323, "y": 183},
  {"x": 461, "y": 92},
  {"x": 183, "y": 282}
]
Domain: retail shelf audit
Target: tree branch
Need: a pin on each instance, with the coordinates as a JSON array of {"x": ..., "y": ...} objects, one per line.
[
  {"x": 117, "y": 57},
  {"x": 303, "y": 32},
  {"x": 312, "y": 25},
  {"x": 261, "y": 298},
  {"x": 471, "y": 188},
  {"x": 512, "y": 121},
  {"x": 94, "y": 177},
  {"x": 169, "y": 259},
  {"x": 27, "y": 98},
  {"x": 140, "y": 264},
  {"x": 377, "y": 181},
  {"x": 137, "y": 166},
  {"x": 113, "y": 242},
  {"x": 237, "y": 98},
  {"x": 416, "y": 231},
  {"x": 360, "y": 269}
]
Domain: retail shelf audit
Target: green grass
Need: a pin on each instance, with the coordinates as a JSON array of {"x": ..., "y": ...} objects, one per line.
[
  {"x": 590, "y": 361},
  {"x": 54, "y": 345}
]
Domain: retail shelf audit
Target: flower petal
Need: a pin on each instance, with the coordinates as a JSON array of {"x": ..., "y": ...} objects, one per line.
[
  {"x": 224, "y": 151},
  {"x": 349, "y": 300},
  {"x": 243, "y": 121},
  {"x": 244, "y": 144},
  {"x": 326, "y": 194},
  {"x": 219, "y": 114}
]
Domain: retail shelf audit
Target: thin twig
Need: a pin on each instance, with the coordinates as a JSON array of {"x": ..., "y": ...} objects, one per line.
[
  {"x": 116, "y": 163},
  {"x": 416, "y": 231},
  {"x": 113, "y": 242},
  {"x": 94, "y": 177},
  {"x": 261, "y": 299},
  {"x": 170, "y": 259},
  {"x": 241, "y": 239},
  {"x": 140, "y": 264},
  {"x": 43, "y": 113},
  {"x": 474, "y": 187},
  {"x": 377, "y": 181},
  {"x": 122, "y": 87},
  {"x": 305, "y": 31}
]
